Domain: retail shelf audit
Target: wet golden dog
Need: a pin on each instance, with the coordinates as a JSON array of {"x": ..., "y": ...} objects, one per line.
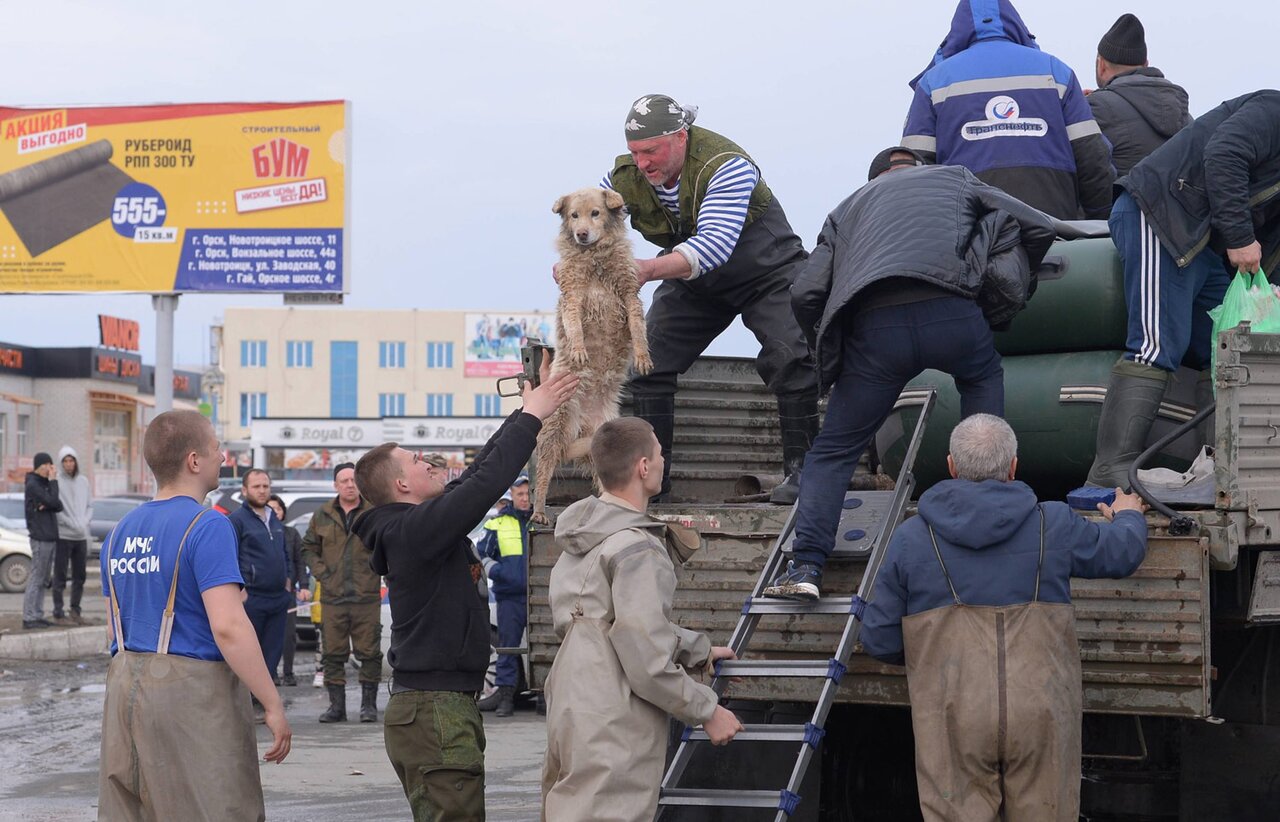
[{"x": 599, "y": 327}]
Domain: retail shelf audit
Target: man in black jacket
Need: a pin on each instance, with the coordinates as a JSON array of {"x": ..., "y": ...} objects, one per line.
[
  {"x": 910, "y": 273},
  {"x": 439, "y": 623},
  {"x": 1135, "y": 106},
  {"x": 42, "y": 506},
  {"x": 1212, "y": 189}
]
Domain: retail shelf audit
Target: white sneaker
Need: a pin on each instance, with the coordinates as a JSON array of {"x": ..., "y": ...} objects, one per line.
[{"x": 317, "y": 681}]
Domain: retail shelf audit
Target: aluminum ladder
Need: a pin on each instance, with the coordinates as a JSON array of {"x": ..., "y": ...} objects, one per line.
[{"x": 867, "y": 523}]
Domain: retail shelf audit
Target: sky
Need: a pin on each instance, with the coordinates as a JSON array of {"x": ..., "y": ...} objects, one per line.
[{"x": 469, "y": 119}]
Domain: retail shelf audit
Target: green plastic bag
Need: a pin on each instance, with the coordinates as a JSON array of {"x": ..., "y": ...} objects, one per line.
[{"x": 1251, "y": 299}]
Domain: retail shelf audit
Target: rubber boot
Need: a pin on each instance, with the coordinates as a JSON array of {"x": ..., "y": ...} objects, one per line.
[
  {"x": 798, "y": 419},
  {"x": 368, "y": 702},
  {"x": 490, "y": 702},
  {"x": 506, "y": 701},
  {"x": 659, "y": 410},
  {"x": 1133, "y": 399},
  {"x": 337, "y": 705},
  {"x": 1204, "y": 395}
]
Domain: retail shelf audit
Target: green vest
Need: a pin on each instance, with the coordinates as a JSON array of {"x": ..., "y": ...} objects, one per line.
[
  {"x": 705, "y": 153},
  {"x": 510, "y": 543}
]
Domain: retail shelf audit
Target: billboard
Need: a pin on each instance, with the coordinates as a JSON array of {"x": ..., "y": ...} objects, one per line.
[
  {"x": 225, "y": 197},
  {"x": 494, "y": 340}
]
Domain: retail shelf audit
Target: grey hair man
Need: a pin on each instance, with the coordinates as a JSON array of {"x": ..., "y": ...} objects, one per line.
[{"x": 979, "y": 585}]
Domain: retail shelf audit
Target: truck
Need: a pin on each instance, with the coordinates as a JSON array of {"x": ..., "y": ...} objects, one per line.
[{"x": 1181, "y": 677}]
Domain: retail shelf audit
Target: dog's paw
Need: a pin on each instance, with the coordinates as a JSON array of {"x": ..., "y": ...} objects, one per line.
[
  {"x": 643, "y": 364},
  {"x": 539, "y": 518},
  {"x": 578, "y": 356}
]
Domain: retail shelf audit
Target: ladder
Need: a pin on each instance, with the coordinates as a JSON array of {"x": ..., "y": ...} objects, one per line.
[{"x": 867, "y": 523}]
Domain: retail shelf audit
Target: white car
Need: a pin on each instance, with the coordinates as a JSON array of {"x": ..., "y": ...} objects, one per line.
[{"x": 15, "y": 561}]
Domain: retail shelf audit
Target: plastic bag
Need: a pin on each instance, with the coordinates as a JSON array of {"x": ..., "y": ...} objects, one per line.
[{"x": 1249, "y": 298}]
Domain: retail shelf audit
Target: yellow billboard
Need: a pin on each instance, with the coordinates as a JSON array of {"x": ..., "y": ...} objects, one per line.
[{"x": 223, "y": 197}]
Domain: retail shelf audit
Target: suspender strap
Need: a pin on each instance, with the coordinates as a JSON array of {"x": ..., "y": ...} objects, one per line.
[
  {"x": 116, "y": 623},
  {"x": 946, "y": 574},
  {"x": 1040, "y": 562},
  {"x": 166, "y": 624}
]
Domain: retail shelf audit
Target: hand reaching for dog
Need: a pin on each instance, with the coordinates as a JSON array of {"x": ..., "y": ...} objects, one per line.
[{"x": 550, "y": 395}]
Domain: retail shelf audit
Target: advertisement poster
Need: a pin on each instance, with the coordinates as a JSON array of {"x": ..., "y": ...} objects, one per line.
[
  {"x": 225, "y": 197},
  {"x": 494, "y": 340}
]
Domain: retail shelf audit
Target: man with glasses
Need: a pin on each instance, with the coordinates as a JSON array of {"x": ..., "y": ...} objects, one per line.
[{"x": 350, "y": 598}]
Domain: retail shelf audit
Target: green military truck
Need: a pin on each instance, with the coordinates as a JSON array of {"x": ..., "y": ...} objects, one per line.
[{"x": 1181, "y": 685}]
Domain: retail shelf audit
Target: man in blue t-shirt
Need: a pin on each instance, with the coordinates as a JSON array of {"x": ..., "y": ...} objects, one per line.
[{"x": 181, "y": 676}]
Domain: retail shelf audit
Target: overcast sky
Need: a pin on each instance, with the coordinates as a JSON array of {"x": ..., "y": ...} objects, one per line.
[{"x": 469, "y": 119}]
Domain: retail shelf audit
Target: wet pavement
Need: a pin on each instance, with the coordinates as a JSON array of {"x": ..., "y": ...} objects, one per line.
[{"x": 50, "y": 733}]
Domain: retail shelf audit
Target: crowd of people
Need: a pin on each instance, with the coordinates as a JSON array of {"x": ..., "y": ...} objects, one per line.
[{"x": 913, "y": 270}]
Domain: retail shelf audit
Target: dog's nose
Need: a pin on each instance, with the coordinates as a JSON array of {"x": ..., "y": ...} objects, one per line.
[{"x": 582, "y": 236}]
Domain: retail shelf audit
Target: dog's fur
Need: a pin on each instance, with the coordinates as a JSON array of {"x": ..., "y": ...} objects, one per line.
[{"x": 599, "y": 327}]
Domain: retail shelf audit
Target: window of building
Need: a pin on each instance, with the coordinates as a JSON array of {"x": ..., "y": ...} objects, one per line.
[
  {"x": 252, "y": 407},
  {"x": 439, "y": 405},
  {"x": 23, "y": 434},
  {"x": 253, "y": 353},
  {"x": 391, "y": 405},
  {"x": 344, "y": 371},
  {"x": 488, "y": 405},
  {"x": 391, "y": 355},
  {"x": 439, "y": 355},
  {"x": 298, "y": 354},
  {"x": 4, "y": 436}
]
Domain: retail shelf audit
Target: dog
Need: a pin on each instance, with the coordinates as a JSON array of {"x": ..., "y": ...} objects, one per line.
[{"x": 600, "y": 328}]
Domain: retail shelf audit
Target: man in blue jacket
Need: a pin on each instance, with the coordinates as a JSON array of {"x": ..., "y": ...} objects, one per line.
[
  {"x": 504, "y": 550},
  {"x": 992, "y": 102},
  {"x": 1211, "y": 191},
  {"x": 975, "y": 597},
  {"x": 265, "y": 565}
]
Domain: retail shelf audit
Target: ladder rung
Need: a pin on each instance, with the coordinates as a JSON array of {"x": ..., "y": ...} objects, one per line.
[
  {"x": 806, "y": 733},
  {"x": 826, "y": 605},
  {"x": 825, "y": 668},
  {"x": 714, "y": 798}
]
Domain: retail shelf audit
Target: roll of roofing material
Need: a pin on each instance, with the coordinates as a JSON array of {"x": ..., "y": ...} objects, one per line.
[{"x": 53, "y": 200}]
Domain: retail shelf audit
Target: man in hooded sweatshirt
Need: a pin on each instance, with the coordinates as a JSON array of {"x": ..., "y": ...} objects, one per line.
[
  {"x": 975, "y": 597},
  {"x": 622, "y": 668},
  {"x": 1016, "y": 117},
  {"x": 73, "y": 534},
  {"x": 439, "y": 651},
  {"x": 1135, "y": 106}
]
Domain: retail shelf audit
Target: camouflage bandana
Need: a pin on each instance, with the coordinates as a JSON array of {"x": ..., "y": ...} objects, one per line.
[{"x": 657, "y": 115}]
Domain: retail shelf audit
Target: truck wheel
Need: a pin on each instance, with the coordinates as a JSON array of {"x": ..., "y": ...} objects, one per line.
[{"x": 14, "y": 573}]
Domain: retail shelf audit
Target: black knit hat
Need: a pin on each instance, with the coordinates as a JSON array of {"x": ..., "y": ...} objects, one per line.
[
  {"x": 1125, "y": 44},
  {"x": 342, "y": 466},
  {"x": 880, "y": 164},
  {"x": 41, "y": 459}
]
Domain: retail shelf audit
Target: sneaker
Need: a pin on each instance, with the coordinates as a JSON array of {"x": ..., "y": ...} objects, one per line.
[
  {"x": 36, "y": 624},
  {"x": 801, "y": 581},
  {"x": 317, "y": 681},
  {"x": 288, "y": 680}
]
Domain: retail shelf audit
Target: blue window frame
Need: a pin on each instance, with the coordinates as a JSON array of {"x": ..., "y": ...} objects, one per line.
[
  {"x": 439, "y": 355},
  {"x": 298, "y": 354},
  {"x": 391, "y": 355},
  {"x": 252, "y": 407},
  {"x": 439, "y": 405},
  {"x": 391, "y": 405},
  {"x": 344, "y": 378},
  {"x": 488, "y": 405},
  {"x": 253, "y": 353}
]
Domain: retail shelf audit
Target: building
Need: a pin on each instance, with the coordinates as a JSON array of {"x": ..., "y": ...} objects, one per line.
[
  {"x": 300, "y": 389},
  {"x": 98, "y": 400}
]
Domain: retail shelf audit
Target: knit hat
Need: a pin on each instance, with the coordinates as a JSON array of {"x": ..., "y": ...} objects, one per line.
[
  {"x": 1125, "y": 43},
  {"x": 523, "y": 479},
  {"x": 881, "y": 162},
  {"x": 42, "y": 459},
  {"x": 657, "y": 115},
  {"x": 342, "y": 466}
]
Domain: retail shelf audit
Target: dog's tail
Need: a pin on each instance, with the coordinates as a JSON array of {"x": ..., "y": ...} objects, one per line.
[{"x": 578, "y": 449}]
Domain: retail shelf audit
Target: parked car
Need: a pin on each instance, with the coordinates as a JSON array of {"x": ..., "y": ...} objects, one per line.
[
  {"x": 107, "y": 511},
  {"x": 300, "y": 496},
  {"x": 19, "y": 524},
  {"x": 15, "y": 561},
  {"x": 13, "y": 507}
]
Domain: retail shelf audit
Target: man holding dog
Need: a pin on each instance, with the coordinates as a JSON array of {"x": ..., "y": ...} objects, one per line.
[{"x": 727, "y": 251}]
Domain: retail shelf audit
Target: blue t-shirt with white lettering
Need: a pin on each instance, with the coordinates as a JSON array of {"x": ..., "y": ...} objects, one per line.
[{"x": 143, "y": 547}]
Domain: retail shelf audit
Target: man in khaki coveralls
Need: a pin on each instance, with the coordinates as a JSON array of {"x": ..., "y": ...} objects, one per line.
[
  {"x": 975, "y": 597},
  {"x": 622, "y": 667},
  {"x": 350, "y": 596}
]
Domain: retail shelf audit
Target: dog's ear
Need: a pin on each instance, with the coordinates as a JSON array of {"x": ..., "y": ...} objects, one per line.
[
  {"x": 613, "y": 200},
  {"x": 558, "y": 206}
]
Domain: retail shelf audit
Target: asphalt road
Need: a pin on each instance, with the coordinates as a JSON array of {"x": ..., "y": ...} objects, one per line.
[{"x": 50, "y": 733}]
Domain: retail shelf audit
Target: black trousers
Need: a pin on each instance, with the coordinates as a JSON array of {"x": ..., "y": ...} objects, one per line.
[{"x": 69, "y": 558}]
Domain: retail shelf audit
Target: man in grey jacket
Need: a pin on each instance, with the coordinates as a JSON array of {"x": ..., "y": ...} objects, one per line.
[
  {"x": 73, "y": 534},
  {"x": 1135, "y": 106},
  {"x": 911, "y": 272}
]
